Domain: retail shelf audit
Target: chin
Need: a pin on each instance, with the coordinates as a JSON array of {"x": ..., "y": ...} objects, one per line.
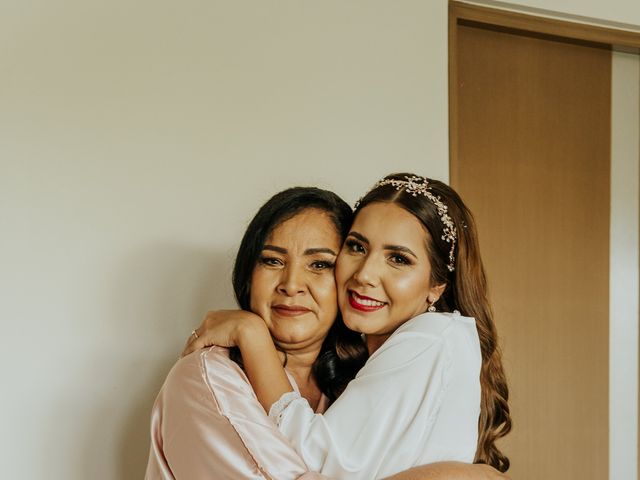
[
  {"x": 353, "y": 325},
  {"x": 291, "y": 337}
]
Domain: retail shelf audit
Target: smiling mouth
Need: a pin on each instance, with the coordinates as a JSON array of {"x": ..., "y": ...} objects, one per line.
[
  {"x": 290, "y": 310},
  {"x": 364, "y": 304}
]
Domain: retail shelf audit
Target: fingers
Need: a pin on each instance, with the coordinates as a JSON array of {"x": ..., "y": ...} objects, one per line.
[
  {"x": 194, "y": 335},
  {"x": 190, "y": 345},
  {"x": 194, "y": 342},
  {"x": 219, "y": 327}
]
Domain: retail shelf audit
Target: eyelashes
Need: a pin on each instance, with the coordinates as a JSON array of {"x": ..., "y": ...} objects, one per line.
[
  {"x": 323, "y": 265},
  {"x": 399, "y": 259},
  {"x": 315, "y": 266},
  {"x": 270, "y": 261},
  {"x": 354, "y": 246},
  {"x": 395, "y": 258}
]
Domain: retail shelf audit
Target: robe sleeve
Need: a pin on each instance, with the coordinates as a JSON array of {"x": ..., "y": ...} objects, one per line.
[
  {"x": 207, "y": 423},
  {"x": 365, "y": 431}
]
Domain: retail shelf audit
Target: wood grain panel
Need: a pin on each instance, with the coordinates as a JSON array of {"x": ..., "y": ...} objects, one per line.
[{"x": 532, "y": 158}]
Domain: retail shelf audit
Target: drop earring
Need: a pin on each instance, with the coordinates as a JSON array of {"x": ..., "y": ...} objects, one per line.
[{"x": 432, "y": 306}]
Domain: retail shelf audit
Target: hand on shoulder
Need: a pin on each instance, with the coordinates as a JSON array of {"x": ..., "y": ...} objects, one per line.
[{"x": 224, "y": 328}]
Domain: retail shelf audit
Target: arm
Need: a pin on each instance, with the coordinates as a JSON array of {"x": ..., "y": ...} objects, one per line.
[
  {"x": 206, "y": 421},
  {"x": 246, "y": 330},
  {"x": 450, "y": 471},
  {"x": 382, "y": 422},
  {"x": 367, "y": 432},
  {"x": 262, "y": 363}
]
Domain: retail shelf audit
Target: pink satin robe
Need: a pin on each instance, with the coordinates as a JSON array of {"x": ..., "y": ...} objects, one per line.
[{"x": 207, "y": 423}]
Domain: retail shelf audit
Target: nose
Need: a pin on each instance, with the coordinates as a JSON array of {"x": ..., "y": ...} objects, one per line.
[
  {"x": 367, "y": 272},
  {"x": 292, "y": 281}
]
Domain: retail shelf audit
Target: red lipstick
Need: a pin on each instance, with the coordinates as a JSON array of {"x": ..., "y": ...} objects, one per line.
[{"x": 364, "y": 304}]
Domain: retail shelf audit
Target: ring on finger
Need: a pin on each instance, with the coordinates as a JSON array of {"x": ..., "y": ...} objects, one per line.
[{"x": 195, "y": 334}]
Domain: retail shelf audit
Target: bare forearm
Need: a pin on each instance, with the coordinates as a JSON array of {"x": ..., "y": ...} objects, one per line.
[
  {"x": 262, "y": 365},
  {"x": 450, "y": 471}
]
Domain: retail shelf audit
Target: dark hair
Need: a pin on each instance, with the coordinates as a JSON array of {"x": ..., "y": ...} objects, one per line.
[
  {"x": 465, "y": 291},
  {"x": 343, "y": 352}
]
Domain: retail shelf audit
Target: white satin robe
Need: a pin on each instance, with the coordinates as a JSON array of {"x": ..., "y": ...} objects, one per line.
[{"x": 207, "y": 423}]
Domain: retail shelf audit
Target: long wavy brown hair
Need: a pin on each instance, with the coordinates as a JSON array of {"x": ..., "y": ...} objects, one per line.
[{"x": 466, "y": 291}]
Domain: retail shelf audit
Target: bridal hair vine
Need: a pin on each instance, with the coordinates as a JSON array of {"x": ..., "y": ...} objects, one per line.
[{"x": 415, "y": 186}]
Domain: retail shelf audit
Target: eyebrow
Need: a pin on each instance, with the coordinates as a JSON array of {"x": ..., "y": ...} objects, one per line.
[
  {"x": 308, "y": 251},
  {"x": 359, "y": 236},
  {"x": 400, "y": 248},
  {"x": 394, "y": 248},
  {"x": 313, "y": 251}
]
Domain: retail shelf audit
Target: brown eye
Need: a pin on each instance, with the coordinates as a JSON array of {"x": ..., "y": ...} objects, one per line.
[
  {"x": 354, "y": 246},
  {"x": 399, "y": 259},
  {"x": 270, "y": 261},
  {"x": 322, "y": 265}
]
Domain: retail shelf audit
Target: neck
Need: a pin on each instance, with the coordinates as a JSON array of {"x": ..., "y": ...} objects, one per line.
[
  {"x": 374, "y": 342},
  {"x": 299, "y": 365}
]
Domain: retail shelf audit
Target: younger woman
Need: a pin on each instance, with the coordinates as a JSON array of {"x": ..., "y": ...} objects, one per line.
[{"x": 410, "y": 278}]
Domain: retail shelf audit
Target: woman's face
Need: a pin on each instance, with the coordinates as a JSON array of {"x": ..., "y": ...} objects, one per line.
[
  {"x": 383, "y": 271},
  {"x": 293, "y": 285}
]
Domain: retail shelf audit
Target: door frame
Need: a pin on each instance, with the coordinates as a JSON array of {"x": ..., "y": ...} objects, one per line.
[
  {"x": 468, "y": 14},
  {"x": 625, "y": 200}
]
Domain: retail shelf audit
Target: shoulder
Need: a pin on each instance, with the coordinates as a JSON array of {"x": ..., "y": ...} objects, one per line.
[
  {"x": 207, "y": 419},
  {"x": 432, "y": 335},
  {"x": 430, "y": 329},
  {"x": 438, "y": 324},
  {"x": 452, "y": 331},
  {"x": 214, "y": 357},
  {"x": 207, "y": 368}
]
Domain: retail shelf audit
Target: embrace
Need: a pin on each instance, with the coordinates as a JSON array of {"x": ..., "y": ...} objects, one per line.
[{"x": 364, "y": 348}]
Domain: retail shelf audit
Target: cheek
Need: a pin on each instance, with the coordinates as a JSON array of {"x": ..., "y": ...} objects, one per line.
[
  {"x": 344, "y": 271},
  {"x": 325, "y": 294},
  {"x": 409, "y": 288},
  {"x": 260, "y": 288}
]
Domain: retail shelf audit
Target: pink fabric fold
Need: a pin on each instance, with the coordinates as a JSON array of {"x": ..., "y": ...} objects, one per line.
[{"x": 207, "y": 423}]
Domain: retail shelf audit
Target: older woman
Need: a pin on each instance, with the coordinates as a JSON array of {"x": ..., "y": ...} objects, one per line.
[{"x": 207, "y": 422}]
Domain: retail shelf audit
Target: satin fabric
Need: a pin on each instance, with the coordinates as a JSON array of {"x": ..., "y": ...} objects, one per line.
[{"x": 207, "y": 423}]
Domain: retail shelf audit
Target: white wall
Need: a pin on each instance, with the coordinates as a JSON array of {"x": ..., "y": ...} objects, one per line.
[
  {"x": 136, "y": 140},
  {"x": 624, "y": 278}
]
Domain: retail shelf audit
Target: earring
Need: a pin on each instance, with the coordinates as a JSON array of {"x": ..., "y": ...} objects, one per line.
[{"x": 432, "y": 306}]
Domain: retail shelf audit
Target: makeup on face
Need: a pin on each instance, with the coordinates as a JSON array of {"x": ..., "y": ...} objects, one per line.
[
  {"x": 364, "y": 303},
  {"x": 293, "y": 285},
  {"x": 383, "y": 270}
]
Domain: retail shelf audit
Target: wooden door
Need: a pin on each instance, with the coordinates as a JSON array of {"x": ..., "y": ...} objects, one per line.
[{"x": 531, "y": 157}]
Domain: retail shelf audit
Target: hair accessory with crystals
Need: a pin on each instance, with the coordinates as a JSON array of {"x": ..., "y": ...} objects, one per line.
[{"x": 415, "y": 186}]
